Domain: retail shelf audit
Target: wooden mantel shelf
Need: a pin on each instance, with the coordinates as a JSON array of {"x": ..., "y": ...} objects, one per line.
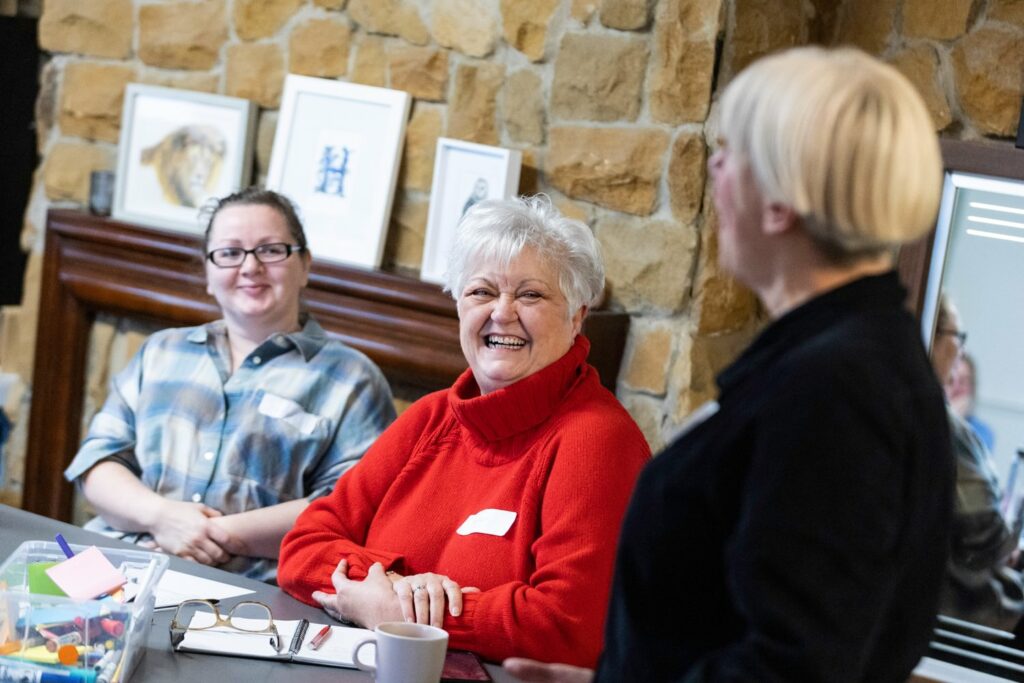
[{"x": 99, "y": 265}]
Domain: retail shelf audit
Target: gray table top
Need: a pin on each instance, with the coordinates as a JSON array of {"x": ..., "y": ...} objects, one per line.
[{"x": 159, "y": 663}]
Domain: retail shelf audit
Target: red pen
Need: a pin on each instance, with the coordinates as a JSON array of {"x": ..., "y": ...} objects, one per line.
[{"x": 316, "y": 641}]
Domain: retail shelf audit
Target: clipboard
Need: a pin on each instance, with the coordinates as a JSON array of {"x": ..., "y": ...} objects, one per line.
[{"x": 336, "y": 650}]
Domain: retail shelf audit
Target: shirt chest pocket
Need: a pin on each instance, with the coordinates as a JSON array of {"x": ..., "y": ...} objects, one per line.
[
  {"x": 288, "y": 412},
  {"x": 275, "y": 441}
]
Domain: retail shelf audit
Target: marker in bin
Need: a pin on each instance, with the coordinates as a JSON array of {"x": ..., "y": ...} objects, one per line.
[
  {"x": 68, "y": 553},
  {"x": 13, "y": 646},
  {"x": 105, "y": 625},
  {"x": 11, "y": 671},
  {"x": 70, "y": 638}
]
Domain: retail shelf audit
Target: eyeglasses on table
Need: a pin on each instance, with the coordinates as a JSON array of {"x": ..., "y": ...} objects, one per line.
[{"x": 248, "y": 617}]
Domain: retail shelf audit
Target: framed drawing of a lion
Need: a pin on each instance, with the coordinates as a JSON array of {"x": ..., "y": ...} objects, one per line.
[{"x": 178, "y": 149}]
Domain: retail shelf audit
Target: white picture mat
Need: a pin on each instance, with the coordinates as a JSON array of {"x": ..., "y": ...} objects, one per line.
[
  {"x": 150, "y": 114},
  {"x": 458, "y": 166},
  {"x": 370, "y": 123}
]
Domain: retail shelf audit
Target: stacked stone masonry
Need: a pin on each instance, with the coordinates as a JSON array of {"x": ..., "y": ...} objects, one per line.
[{"x": 611, "y": 103}]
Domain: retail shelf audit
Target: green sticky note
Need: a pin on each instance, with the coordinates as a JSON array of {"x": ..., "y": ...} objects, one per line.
[{"x": 39, "y": 581}]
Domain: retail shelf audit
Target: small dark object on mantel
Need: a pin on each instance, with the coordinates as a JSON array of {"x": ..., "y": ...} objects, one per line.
[
  {"x": 1020, "y": 127},
  {"x": 101, "y": 192}
]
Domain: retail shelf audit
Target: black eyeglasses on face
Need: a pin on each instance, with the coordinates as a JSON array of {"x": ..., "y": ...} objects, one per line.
[
  {"x": 233, "y": 257},
  {"x": 961, "y": 336}
]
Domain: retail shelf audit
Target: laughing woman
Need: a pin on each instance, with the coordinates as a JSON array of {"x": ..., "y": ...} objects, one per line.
[
  {"x": 490, "y": 508},
  {"x": 214, "y": 438}
]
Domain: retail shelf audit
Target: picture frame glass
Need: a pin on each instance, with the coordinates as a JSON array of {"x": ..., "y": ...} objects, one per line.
[
  {"x": 464, "y": 175},
  {"x": 336, "y": 157},
  {"x": 178, "y": 151},
  {"x": 332, "y": 168}
]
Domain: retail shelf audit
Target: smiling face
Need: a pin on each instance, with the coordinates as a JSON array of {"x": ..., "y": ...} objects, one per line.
[
  {"x": 261, "y": 298},
  {"x": 514, "y": 321}
]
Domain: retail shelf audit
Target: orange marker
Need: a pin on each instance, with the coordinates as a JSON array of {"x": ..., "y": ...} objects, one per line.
[{"x": 67, "y": 655}]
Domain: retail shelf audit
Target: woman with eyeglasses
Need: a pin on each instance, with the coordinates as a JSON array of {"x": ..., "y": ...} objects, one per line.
[
  {"x": 980, "y": 586},
  {"x": 215, "y": 438}
]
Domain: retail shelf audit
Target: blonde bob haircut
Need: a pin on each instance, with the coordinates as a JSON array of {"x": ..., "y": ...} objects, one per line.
[{"x": 841, "y": 138}]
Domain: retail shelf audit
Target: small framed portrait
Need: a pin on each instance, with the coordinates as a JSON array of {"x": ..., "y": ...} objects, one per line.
[
  {"x": 178, "y": 149},
  {"x": 336, "y": 152},
  {"x": 464, "y": 173}
]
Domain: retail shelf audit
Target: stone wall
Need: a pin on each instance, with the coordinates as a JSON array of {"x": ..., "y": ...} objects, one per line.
[{"x": 609, "y": 100}]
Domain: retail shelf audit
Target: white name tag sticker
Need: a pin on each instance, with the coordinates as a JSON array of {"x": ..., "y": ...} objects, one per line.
[
  {"x": 289, "y": 411},
  {"x": 490, "y": 521}
]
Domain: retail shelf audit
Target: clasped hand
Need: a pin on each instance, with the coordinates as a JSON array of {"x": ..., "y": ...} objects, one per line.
[
  {"x": 192, "y": 531},
  {"x": 381, "y": 597},
  {"x": 422, "y": 597}
]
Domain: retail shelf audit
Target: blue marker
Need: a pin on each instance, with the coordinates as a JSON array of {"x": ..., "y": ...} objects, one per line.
[
  {"x": 64, "y": 546},
  {"x": 17, "y": 672}
]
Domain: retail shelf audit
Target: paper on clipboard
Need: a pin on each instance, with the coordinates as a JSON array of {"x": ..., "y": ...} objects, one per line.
[{"x": 336, "y": 650}]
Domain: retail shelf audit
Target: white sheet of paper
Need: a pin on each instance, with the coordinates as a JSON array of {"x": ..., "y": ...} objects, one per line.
[
  {"x": 490, "y": 521},
  {"x": 177, "y": 586}
]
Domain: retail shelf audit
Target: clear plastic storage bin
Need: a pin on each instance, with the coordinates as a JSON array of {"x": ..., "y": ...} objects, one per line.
[{"x": 100, "y": 640}]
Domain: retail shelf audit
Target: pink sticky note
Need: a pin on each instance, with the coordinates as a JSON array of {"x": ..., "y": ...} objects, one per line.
[{"x": 87, "y": 575}]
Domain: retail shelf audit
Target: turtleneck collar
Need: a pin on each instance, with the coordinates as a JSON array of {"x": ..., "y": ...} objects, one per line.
[{"x": 521, "y": 406}]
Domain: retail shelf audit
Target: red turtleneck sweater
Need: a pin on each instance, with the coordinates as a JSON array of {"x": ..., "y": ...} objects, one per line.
[{"x": 556, "y": 448}]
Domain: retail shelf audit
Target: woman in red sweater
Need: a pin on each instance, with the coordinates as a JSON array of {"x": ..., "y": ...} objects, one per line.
[{"x": 491, "y": 508}]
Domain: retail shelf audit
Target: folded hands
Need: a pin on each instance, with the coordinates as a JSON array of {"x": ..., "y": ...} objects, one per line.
[{"x": 388, "y": 596}]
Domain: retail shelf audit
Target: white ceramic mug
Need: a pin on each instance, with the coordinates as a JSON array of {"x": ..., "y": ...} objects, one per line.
[{"x": 406, "y": 653}]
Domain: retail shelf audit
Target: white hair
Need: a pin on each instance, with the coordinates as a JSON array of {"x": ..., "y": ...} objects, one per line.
[
  {"x": 843, "y": 139},
  {"x": 499, "y": 230}
]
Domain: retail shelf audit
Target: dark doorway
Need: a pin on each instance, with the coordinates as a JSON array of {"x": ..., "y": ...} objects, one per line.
[{"x": 19, "y": 83}]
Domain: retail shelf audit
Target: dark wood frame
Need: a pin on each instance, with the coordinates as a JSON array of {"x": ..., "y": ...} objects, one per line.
[
  {"x": 983, "y": 158},
  {"x": 93, "y": 265}
]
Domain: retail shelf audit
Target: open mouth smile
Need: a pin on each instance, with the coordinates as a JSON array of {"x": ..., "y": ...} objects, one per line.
[{"x": 495, "y": 341}]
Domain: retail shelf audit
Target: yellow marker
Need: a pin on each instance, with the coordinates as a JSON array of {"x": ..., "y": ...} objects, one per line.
[
  {"x": 38, "y": 654},
  {"x": 41, "y": 655}
]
